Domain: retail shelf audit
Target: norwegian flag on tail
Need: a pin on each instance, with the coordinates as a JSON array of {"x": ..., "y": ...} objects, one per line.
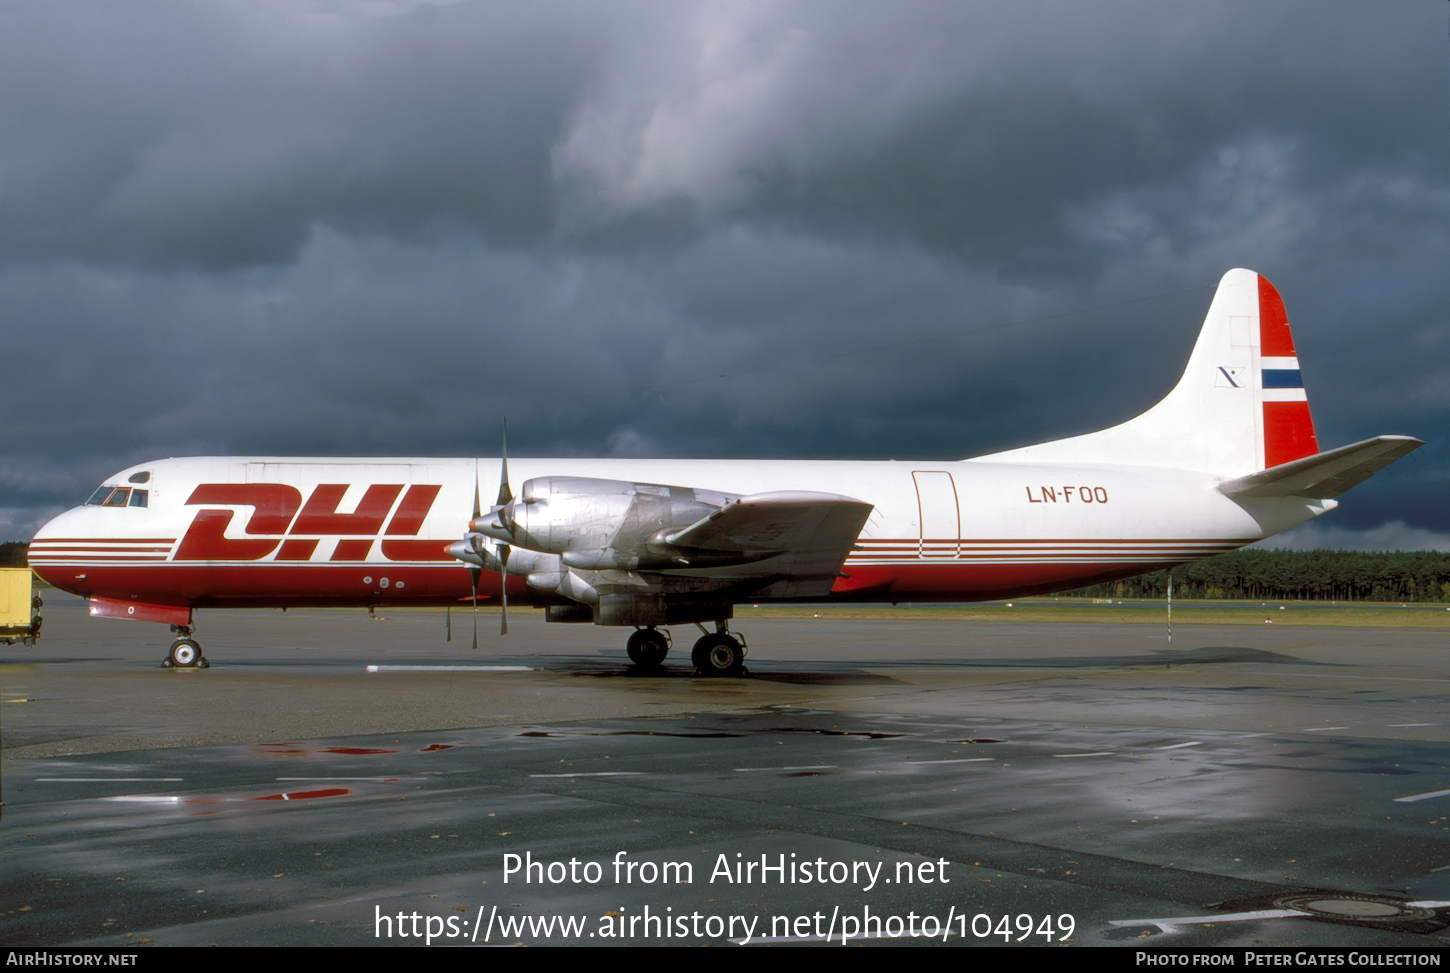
[{"x": 1288, "y": 426}]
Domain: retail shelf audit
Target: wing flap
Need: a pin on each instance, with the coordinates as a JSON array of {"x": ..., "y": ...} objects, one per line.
[{"x": 1324, "y": 475}]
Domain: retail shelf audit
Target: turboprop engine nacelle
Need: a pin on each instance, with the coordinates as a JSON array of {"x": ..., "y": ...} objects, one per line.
[
  {"x": 475, "y": 550},
  {"x": 611, "y": 520}
]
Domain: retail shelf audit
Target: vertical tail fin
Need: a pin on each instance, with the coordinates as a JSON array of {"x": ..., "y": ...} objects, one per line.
[{"x": 1240, "y": 406}]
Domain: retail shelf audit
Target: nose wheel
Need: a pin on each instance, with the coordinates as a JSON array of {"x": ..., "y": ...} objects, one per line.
[
  {"x": 647, "y": 648},
  {"x": 185, "y": 654},
  {"x": 720, "y": 654}
]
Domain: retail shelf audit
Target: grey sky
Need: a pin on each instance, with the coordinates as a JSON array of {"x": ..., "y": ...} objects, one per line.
[{"x": 376, "y": 227}]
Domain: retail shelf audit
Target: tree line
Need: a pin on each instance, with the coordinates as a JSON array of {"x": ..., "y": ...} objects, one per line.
[{"x": 1296, "y": 576}]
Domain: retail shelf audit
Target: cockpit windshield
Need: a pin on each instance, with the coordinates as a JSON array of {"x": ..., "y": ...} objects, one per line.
[{"x": 109, "y": 496}]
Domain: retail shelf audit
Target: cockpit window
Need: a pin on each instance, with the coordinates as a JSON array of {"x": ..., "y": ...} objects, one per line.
[
  {"x": 141, "y": 477},
  {"x": 109, "y": 496}
]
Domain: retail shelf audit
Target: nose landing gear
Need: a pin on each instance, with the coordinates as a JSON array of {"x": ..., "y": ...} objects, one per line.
[{"x": 185, "y": 652}]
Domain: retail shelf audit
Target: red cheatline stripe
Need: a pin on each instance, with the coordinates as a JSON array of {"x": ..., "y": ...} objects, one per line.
[
  {"x": 104, "y": 540},
  {"x": 1085, "y": 548},
  {"x": 1042, "y": 557},
  {"x": 410, "y": 566},
  {"x": 91, "y": 558},
  {"x": 113, "y": 549},
  {"x": 1062, "y": 562},
  {"x": 911, "y": 541}
]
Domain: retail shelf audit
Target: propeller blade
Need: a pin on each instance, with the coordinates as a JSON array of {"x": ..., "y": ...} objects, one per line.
[
  {"x": 504, "y": 493},
  {"x": 475, "y": 573},
  {"x": 505, "y": 496},
  {"x": 503, "y": 559},
  {"x": 448, "y": 622}
]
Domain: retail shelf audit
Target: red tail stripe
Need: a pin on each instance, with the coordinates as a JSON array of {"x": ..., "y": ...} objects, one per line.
[
  {"x": 1275, "y": 340},
  {"x": 1288, "y": 432}
]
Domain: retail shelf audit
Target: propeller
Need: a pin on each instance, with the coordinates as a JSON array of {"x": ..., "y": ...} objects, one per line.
[
  {"x": 505, "y": 495},
  {"x": 474, "y": 571}
]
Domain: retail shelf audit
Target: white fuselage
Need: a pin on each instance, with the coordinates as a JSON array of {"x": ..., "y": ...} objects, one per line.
[{"x": 320, "y": 531}]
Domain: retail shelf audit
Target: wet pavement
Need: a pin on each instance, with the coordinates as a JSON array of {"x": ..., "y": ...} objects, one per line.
[{"x": 965, "y": 783}]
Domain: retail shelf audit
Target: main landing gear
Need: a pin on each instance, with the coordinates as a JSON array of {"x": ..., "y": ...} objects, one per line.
[
  {"x": 717, "y": 654},
  {"x": 648, "y": 647},
  {"x": 720, "y": 654},
  {"x": 185, "y": 652}
]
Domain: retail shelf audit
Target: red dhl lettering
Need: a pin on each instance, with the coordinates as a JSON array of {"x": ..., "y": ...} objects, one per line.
[{"x": 274, "y": 507}]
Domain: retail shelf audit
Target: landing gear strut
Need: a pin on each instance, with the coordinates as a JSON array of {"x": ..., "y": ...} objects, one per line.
[
  {"x": 185, "y": 652},
  {"x": 647, "y": 648},
  {"x": 720, "y": 654}
]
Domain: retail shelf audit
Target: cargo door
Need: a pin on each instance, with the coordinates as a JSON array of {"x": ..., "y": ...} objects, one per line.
[{"x": 938, "y": 514}]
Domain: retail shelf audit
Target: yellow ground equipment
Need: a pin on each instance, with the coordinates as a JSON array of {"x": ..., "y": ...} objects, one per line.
[{"x": 19, "y": 607}]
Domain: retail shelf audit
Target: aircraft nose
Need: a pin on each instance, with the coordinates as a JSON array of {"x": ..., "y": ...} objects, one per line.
[
  {"x": 56, "y": 526},
  {"x": 45, "y": 553}
]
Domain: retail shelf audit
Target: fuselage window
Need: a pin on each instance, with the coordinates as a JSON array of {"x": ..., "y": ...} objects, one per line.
[
  {"x": 138, "y": 498},
  {"x": 99, "y": 497},
  {"x": 141, "y": 477},
  {"x": 117, "y": 499}
]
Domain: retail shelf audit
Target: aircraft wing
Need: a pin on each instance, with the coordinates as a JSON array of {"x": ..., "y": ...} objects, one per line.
[
  {"x": 1323, "y": 475},
  {"x": 777, "y": 523},
  {"x": 804, "y": 536}
]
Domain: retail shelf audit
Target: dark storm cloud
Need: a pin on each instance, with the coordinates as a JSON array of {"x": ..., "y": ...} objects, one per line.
[
  {"x": 710, "y": 229},
  {"x": 218, "y": 135}
]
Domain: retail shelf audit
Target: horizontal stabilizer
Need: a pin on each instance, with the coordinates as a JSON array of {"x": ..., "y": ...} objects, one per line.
[{"x": 1324, "y": 475}]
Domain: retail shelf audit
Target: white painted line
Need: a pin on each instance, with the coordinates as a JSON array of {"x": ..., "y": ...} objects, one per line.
[
  {"x": 1410, "y": 724},
  {"x": 1321, "y": 729},
  {"x": 955, "y": 760},
  {"x": 1168, "y": 924},
  {"x": 1101, "y": 753},
  {"x": 388, "y": 778},
  {"x": 450, "y": 669},
  {"x": 746, "y": 770},
  {"x": 1429, "y": 904},
  {"x": 143, "y": 799},
  {"x": 602, "y": 773},
  {"x": 101, "y": 780},
  {"x": 1421, "y": 797},
  {"x": 1180, "y": 746}
]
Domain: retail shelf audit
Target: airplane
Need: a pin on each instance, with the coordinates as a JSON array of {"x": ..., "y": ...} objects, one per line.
[{"x": 1227, "y": 458}]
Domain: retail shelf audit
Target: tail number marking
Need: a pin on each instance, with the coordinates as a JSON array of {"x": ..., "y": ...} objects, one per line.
[{"x": 1068, "y": 494}]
